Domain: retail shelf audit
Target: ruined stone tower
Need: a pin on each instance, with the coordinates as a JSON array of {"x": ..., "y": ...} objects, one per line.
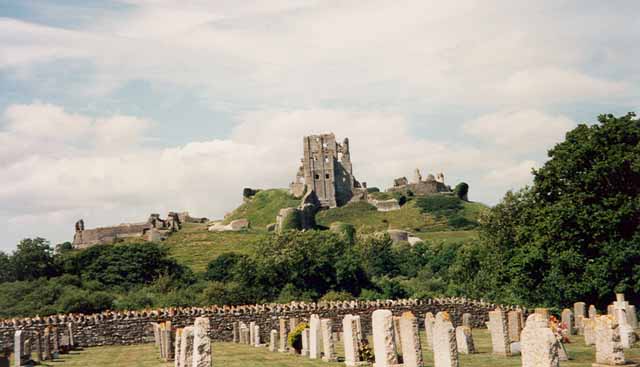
[{"x": 327, "y": 170}]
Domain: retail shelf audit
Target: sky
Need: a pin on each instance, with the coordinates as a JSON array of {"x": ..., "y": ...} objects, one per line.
[{"x": 112, "y": 110}]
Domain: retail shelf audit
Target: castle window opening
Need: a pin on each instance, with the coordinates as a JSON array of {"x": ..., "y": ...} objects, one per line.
[
  {"x": 327, "y": 176},
  {"x": 317, "y": 177}
]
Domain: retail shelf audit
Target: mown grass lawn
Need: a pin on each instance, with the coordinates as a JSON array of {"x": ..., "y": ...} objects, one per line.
[{"x": 236, "y": 355}]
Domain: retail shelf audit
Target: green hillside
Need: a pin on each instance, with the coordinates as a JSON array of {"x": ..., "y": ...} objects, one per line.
[{"x": 263, "y": 207}]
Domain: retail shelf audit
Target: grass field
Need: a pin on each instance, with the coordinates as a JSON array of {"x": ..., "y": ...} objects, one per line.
[{"x": 236, "y": 355}]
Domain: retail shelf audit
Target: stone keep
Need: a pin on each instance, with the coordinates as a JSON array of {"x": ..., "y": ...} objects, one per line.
[
  {"x": 609, "y": 351},
  {"x": 273, "y": 337},
  {"x": 464, "y": 339},
  {"x": 201, "y": 343},
  {"x": 410, "y": 337},
  {"x": 539, "y": 344},
  {"x": 384, "y": 347},
  {"x": 445, "y": 347},
  {"x": 328, "y": 345},
  {"x": 186, "y": 347},
  {"x": 567, "y": 320},
  {"x": 627, "y": 335},
  {"x": 351, "y": 340},
  {"x": 498, "y": 328},
  {"x": 314, "y": 336},
  {"x": 514, "y": 319},
  {"x": 429, "y": 320}
]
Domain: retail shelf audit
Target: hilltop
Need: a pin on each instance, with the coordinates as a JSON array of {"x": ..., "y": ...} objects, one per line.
[{"x": 432, "y": 217}]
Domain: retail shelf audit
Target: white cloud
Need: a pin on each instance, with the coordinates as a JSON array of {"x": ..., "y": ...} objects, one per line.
[
  {"x": 519, "y": 131},
  {"x": 45, "y": 121}
]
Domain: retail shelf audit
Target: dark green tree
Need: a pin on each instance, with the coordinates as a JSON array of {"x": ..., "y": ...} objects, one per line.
[
  {"x": 33, "y": 259},
  {"x": 462, "y": 191},
  {"x": 574, "y": 235}
]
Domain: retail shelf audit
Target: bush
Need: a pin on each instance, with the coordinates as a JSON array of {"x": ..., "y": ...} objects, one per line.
[
  {"x": 337, "y": 296},
  {"x": 459, "y": 222},
  {"x": 439, "y": 204},
  {"x": 222, "y": 267},
  {"x": 346, "y": 230},
  {"x": 461, "y": 190},
  {"x": 295, "y": 336}
]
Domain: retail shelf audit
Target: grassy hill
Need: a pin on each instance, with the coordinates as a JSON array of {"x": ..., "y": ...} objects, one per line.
[
  {"x": 263, "y": 207},
  {"x": 430, "y": 218}
]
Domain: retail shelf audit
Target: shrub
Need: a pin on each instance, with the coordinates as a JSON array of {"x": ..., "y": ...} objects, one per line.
[
  {"x": 461, "y": 190},
  {"x": 295, "y": 336},
  {"x": 439, "y": 204},
  {"x": 222, "y": 267},
  {"x": 337, "y": 296}
]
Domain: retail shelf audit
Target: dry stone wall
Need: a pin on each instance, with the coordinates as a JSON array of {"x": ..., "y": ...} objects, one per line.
[{"x": 135, "y": 327}]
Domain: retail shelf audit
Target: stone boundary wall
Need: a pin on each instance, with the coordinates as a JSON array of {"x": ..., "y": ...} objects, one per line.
[{"x": 134, "y": 327}]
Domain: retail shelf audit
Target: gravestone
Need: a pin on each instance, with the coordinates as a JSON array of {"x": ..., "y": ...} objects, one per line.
[
  {"x": 186, "y": 347},
  {"x": 256, "y": 336},
  {"x": 539, "y": 346},
  {"x": 429, "y": 320},
  {"x": 410, "y": 337},
  {"x": 396, "y": 333},
  {"x": 627, "y": 335},
  {"x": 466, "y": 320},
  {"x": 384, "y": 347},
  {"x": 283, "y": 335},
  {"x": 464, "y": 339},
  {"x": 305, "y": 342},
  {"x": 445, "y": 347},
  {"x": 579, "y": 313},
  {"x": 234, "y": 325},
  {"x": 252, "y": 333},
  {"x": 72, "y": 341},
  {"x": 593, "y": 312},
  {"x": 314, "y": 336},
  {"x": 56, "y": 341},
  {"x": 588, "y": 330},
  {"x": 497, "y": 326},
  {"x": 19, "y": 356},
  {"x": 167, "y": 342},
  {"x": 46, "y": 344},
  {"x": 176, "y": 344},
  {"x": 632, "y": 317},
  {"x": 351, "y": 341},
  {"x": 514, "y": 320},
  {"x": 609, "y": 350},
  {"x": 273, "y": 337},
  {"x": 201, "y": 343},
  {"x": 328, "y": 345},
  {"x": 567, "y": 320}
]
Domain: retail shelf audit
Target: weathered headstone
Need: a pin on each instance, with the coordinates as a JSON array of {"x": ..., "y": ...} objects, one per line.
[
  {"x": 593, "y": 312},
  {"x": 234, "y": 331},
  {"x": 72, "y": 341},
  {"x": 38, "y": 346},
  {"x": 256, "y": 336},
  {"x": 252, "y": 333},
  {"x": 632, "y": 317},
  {"x": 19, "y": 358},
  {"x": 498, "y": 328},
  {"x": 384, "y": 347},
  {"x": 176, "y": 344},
  {"x": 429, "y": 320},
  {"x": 283, "y": 335},
  {"x": 466, "y": 320},
  {"x": 396, "y": 333},
  {"x": 167, "y": 342},
  {"x": 314, "y": 337},
  {"x": 567, "y": 320},
  {"x": 273, "y": 338},
  {"x": 305, "y": 342},
  {"x": 201, "y": 343},
  {"x": 186, "y": 347},
  {"x": 579, "y": 313},
  {"x": 156, "y": 333},
  {"x": 46, "y": 344},
  {"x": 514, "y": 321},
  {"x": 544, "y": 312},
  {"x": 609, "y": 351},
  {"x": 56, "y": 341},
  {"x": 328, "y": 345},
  {"x": 351, "y": 341},
  {"x": 627, "y": 335},
  {"x": 445, "y": 347},
  {"x": 464, "y": 339},
  {"x": 539, "y": 346},
  {"x": 410, "y": 337},
  {"x": 589, "y": 331}
]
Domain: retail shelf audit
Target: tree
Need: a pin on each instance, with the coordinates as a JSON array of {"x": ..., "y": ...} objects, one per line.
[
  {"x": 574, "y": 235},
  {"x": 462, "y": 191},
  {"x": 6, "y": 268},
  {"x": 33, "y": 259},
  {"x": 222, "y": 267}
]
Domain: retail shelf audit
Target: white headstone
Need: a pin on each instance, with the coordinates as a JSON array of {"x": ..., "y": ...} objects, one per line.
[
  {"x": 201, "y": 343},
  {"x": 464, "y": 338},
  {"x": 445, "y": 347},
  {"x": 351, "y": 341},
  {"x": 410, "y": 337},
  {"x": 539, "y": 346},
  {"x": 273, "y": 340},
  {"x": 383, "y": 346},
  {"x": 499, "y": 332},
  {"x": 314, "y": 337},
  {"x": 328, "y": 345},
  {"x": 305, "y": 342},
  {"x": 186, "y": 347},
  {"x": 609, "y": 351}
]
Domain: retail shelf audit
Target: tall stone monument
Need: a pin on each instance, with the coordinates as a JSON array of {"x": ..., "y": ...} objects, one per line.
[
  {"x": 539, "y": 345},
  {"x": 384, "y": 347},
  {"x": 445, "y": 347}
]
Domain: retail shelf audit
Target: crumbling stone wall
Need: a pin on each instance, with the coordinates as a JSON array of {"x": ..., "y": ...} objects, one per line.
[
  {"x": 431, "y": 185},
  {"x": 134, "y": 327}
]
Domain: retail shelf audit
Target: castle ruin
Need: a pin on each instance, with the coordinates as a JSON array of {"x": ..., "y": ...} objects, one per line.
[
  {"x": 431, "y": 185},
  {"x": 154, "y": 229},
  {"x": 326, "y": 169}
]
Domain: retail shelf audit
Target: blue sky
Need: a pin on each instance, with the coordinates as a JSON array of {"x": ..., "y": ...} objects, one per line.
[{"x": 112, "y": 110}]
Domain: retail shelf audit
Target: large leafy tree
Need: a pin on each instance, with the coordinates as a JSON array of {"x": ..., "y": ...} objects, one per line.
[
  {"x": 33, "y": 258},
  {"x": 574, "y": 235}
]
